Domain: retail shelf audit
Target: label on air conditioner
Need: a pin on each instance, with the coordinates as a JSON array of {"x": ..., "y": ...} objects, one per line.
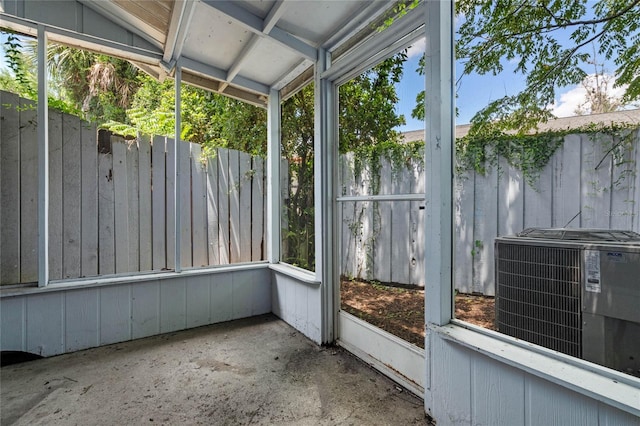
[
  {"x": 616, "y": 256},
  {"x": 592, "y": 271}
]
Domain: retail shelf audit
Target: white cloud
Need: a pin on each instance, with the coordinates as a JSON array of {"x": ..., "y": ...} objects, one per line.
[
  {"x": 569, "y": 102},
  {"x": 575, "y": 97},
  {"x": 416, "y": 49}
]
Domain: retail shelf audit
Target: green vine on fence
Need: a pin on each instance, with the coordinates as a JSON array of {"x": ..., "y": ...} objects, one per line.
[
  {"x": 530, "y": 153},
  {"x": 367, "y": 160}
]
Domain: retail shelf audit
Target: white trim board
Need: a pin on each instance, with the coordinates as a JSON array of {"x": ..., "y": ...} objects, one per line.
[{"x": 392, "y": 356}]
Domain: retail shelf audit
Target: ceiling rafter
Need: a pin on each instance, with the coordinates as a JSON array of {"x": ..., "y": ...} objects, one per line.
[
  {"x": 220, "y": 74},
  {"x": 255, "y": 24},
  {"x": 269, "y": 22},
  {"x": 274, "y": 15},
  {"x": 176, "y": 34}
]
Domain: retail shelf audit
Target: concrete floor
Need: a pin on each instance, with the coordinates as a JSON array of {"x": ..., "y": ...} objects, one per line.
[{"x": 254, "y": 371}]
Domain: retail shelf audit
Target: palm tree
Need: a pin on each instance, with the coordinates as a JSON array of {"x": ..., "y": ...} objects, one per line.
[{"x": 100, "y": 86}]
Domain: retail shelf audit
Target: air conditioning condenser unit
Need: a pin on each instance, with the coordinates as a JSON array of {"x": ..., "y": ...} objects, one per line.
[{"x": 576, "y": 291}]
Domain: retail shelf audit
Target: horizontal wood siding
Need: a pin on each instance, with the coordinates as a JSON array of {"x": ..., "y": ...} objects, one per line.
[
  {"x": 470, "y": 388},
  {"x": 58, "y": 321},
  {"x": 298, "y": 304}
]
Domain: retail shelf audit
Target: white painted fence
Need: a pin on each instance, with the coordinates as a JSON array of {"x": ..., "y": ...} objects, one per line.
[
  {"x": 111, "y": 207},
  {"x": 382, "y": 240},
  {"x": 584, "y": 179}
]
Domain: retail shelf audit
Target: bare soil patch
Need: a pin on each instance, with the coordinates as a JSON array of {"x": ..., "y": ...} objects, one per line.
[{"x": 400, "y": 311}]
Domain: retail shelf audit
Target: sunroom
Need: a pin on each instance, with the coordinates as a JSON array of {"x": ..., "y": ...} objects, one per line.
[{"x": 259, "y": 52}]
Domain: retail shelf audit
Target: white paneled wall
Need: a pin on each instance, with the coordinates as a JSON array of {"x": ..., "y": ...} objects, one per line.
[
  {"x": 477, "y": 386},
  {"x": 298, "y": 303},
  {"x": 60, "y": 320}
]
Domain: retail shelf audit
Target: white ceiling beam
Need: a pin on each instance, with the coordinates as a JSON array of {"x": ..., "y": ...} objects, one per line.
[
  {"x": 220, "y": 74},
  {"x": 269, "y": 22},
  {"x": 256, "y": 25},
  {"x": 180, "y": 19},
  {"x": 235, "y": 68},
  {"x": 273, "y": 16}
]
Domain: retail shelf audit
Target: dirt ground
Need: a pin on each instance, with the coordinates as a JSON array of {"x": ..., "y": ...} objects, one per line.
[{"x": 400, "y": 311}]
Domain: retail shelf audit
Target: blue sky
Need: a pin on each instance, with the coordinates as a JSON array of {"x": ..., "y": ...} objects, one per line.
[{"x": 474, "y": 91}]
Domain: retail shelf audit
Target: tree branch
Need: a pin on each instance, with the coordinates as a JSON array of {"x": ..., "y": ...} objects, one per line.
[{"x": 550, "y": 28}]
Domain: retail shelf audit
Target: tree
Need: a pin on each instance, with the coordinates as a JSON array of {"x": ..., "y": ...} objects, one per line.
[
  {"x": 548, "y": 42},
  {"x": 20, "y": 78},
  {"x": 528, "y": 33},
  {"x": 99, "y": 87},
  {"x": 367, "y": 120},
  {"x": 209, "y": 119},
  {"x": 598, "y": 91}
]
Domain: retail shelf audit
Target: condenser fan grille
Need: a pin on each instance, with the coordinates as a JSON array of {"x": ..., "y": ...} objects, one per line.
[{"x": 538, "y": 295}]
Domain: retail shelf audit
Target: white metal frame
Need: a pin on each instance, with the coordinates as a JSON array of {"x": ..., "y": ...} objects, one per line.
[
  {"x": 325, "y": 146},
  {"x": 439, "y": 147},
  {"x": 43, "y": 161},
  {"x": 177, "y": 217},
  {"x": 273, "y": 177},
  {"x": 391, "y": 356}
]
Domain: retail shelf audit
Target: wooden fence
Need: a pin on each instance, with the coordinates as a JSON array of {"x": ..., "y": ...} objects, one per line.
[
  {"x": 590, "y": 179},
  {"x": 110, "y": 201},
  {"x": 382, "y": 240}
]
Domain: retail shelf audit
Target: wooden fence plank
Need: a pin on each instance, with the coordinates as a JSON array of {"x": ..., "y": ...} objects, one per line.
[
  {"x": 347, "y": 214},
  {"x": 184, "y": 180},
  {"x": 485, "y": 229},
  {"x": 145, "y": 203},
  {"x": 28, "y": 192},
  {"x": 349, "y": 235},
  {"x": 158, "y": 204},
  {"x": 55, "y": 194},
  {"x": 10, "y": 193},
  {"x": 89, "y": 199},
  {"x": 463, "y": 243},
  {"x": 264, "y": 210},
  {"x": 198, "y": 208},
  {"x": 622, "y": 187},
  {"x": 234, "y": 206},
  {"x": 510, "y": 199},
  {"x": 169, "y": 208},
  {"x": 400, "y": 230},
  {"x": 72, "y": 196},
  {"x": 133, "y": 194},
  {"x": 566, "y": 165},
  {"x": 106, "y": 239},
  {"x": 538, "y": 206},
  {"x": 596, "y": 181},
  {"x": 384, "y": 247},
  {"x": 223, "y": 205},
  {"x": 636, "y": 192},
  {"x": 257, "y": 209},
  {"x": 244, "y": 189},
  {"x": 364, "y": 225},
  {"x": 212, "y": 210},
  {"x": 121, "y": 204},
  {"x": 417, "y": 268}
]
